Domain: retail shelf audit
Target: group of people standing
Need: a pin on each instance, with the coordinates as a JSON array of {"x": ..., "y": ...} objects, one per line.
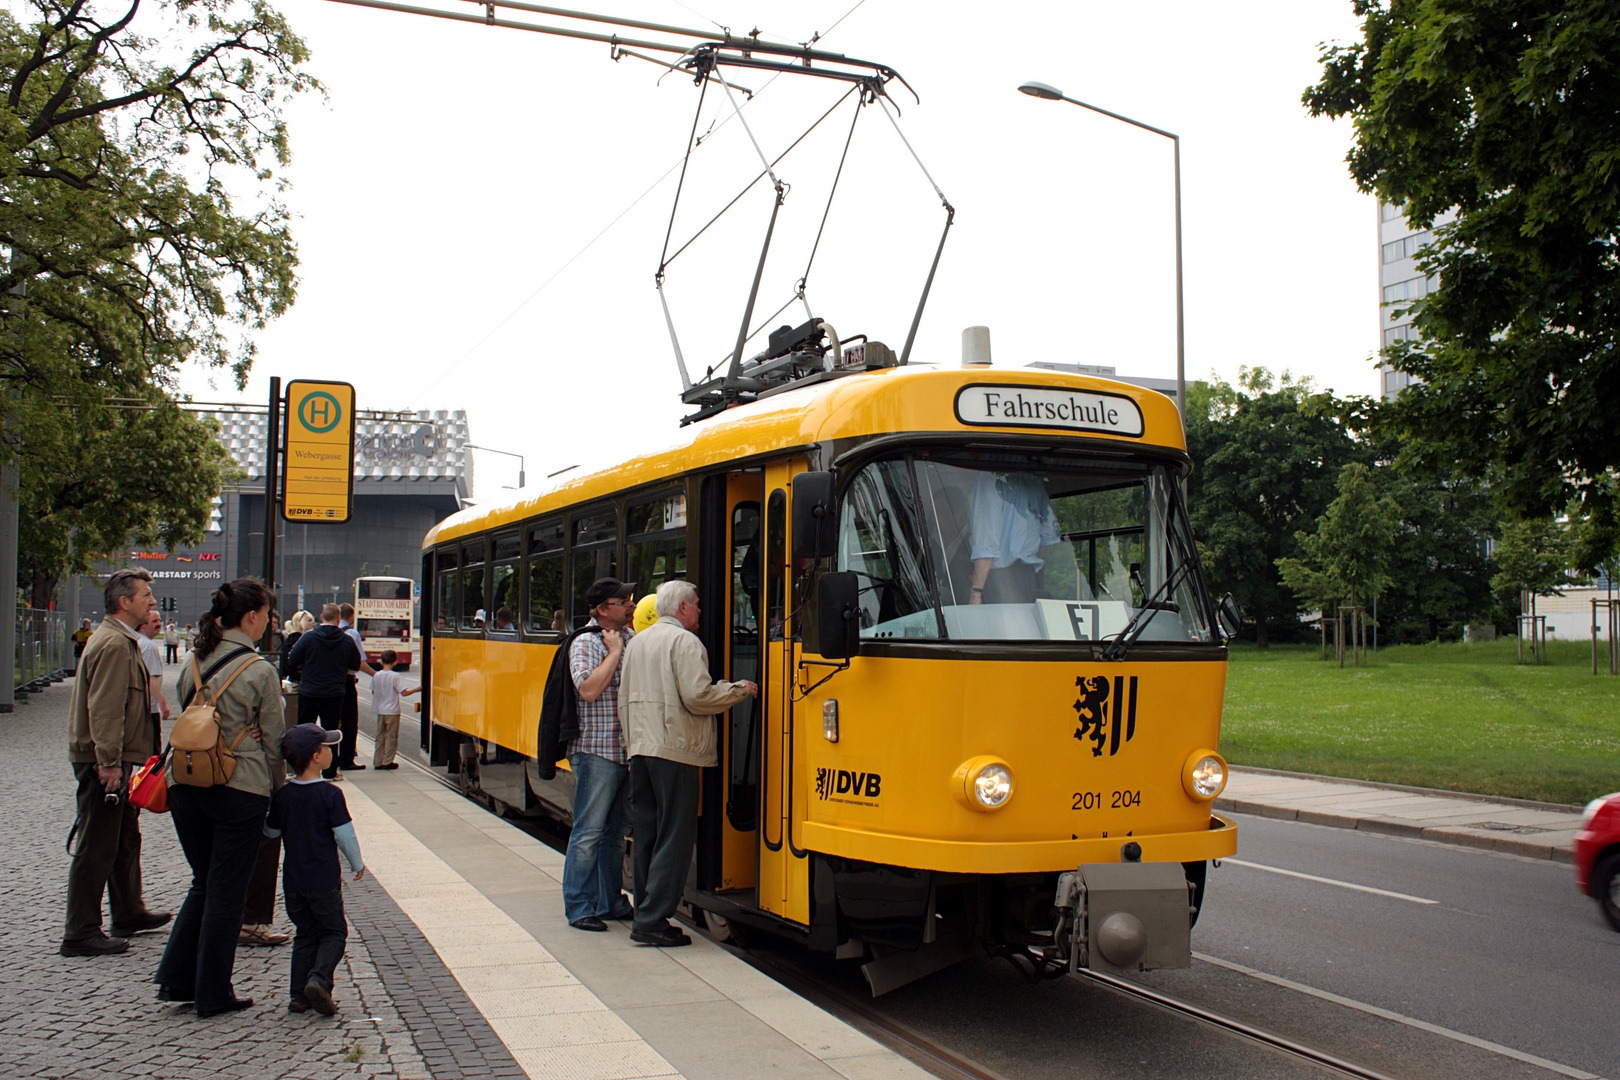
[
  {"x": 223, "y": 829},
  {"x": 645, "y": 703}
]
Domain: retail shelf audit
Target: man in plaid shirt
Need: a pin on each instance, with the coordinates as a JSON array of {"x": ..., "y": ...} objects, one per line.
[{"x": 593, "y": 870}]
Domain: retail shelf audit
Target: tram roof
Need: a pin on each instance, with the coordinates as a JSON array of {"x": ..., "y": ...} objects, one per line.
[{"x": 880, "y": 402}]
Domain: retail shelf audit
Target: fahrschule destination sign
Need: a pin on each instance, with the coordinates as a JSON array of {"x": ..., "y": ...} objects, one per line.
[{"x": 319, "y": 469}]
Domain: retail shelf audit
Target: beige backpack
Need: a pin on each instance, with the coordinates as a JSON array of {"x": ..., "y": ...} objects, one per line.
[{"x": 198, "y": 756}]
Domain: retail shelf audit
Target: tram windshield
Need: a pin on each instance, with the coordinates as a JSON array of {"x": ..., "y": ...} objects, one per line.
[{"x": 988, "y": 546}]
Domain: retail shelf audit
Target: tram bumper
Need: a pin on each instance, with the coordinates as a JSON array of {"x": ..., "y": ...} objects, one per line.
[{"x": 1125, "y": 916}]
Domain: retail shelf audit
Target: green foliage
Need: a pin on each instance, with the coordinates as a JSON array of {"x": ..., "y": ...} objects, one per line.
[
  {"x": 1533, "y": 556},
  {"x": 1454, "y": 716},
  {"x": 1267, "y": 454},
  {"x": 1346, "y": 560},
  {"x": 1502, "y": 111},
  {"x": 127, "y": 256}
]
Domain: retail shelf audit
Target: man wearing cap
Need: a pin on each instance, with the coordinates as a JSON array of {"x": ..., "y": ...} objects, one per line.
[{"x": 594, "y": 866}]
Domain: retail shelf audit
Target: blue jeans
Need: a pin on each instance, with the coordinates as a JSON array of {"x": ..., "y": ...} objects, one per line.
[{"x": 594, "y": 868}]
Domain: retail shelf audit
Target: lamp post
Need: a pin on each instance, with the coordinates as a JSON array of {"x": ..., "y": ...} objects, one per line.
[
  {"x": 508, "y": 453},
  {"x": 1052, "y": 93}
]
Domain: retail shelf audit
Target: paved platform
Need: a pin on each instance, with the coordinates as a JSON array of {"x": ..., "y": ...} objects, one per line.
[
  {"x": 460, "y": 963},
  {"x": 1535, "y": 830}
]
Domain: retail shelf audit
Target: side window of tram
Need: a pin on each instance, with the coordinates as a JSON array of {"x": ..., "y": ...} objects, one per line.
[
  {"x": 506, "y": 552},
  {"x": 548, "y": 551},
  {"x": 444, "y": 607},
  {"x": 655, "y": 548},
  {"x": 595, "y": 553},
  {"x": 775, "y": 560},
  {"x": 880, "y": 538},
  {"x": 472, "y": 584}
]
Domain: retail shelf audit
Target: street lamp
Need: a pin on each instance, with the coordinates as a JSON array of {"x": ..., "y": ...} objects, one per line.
[
  {"x": 508, "y": 453},
  {"x": 1051, "y": 93}
]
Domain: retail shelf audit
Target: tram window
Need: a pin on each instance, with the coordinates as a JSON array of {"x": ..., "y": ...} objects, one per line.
[
  {"x": 472, "y": 584},
  {"x": 505, "y": 554},
  {"x": 775, "y": 562},
  {"x": 746, "y": 560},
  {"x": 657, "y": 516},
  {"x": 877, "y": 539},
  {"x": 547, "y": 554},
  {"x": 1022, "y": 548},
  {"x": 656, "y": 549},
  {"x": 444, "y": 609},
  {"x": 595, "y": 554}
]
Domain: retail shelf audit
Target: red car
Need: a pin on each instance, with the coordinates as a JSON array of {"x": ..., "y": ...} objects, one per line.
[{"x": 1597, "y": 855}]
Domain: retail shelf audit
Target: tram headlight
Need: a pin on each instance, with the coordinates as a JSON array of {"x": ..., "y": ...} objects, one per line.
[
  {"x": 983, "y": 784},
  {"x": 1204, "y": 774}
]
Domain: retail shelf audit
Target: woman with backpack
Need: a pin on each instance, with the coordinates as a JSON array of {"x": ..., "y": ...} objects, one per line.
[{"x": 219, "y": 807}]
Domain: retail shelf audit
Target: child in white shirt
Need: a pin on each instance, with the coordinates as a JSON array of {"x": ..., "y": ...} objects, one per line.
[{"x": 385, "y": 695}]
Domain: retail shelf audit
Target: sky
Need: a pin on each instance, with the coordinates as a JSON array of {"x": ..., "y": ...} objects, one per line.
[{"x": 480, "y": 211}]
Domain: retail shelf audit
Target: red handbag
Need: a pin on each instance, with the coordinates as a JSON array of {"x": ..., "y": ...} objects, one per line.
[{"x": 148, "y": 788}]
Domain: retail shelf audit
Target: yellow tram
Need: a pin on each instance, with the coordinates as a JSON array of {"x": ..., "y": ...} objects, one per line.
[{"x": 991, "y": 672}]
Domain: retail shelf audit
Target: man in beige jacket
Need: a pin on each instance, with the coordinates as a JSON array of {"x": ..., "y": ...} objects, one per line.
[
  {"x": 110, "y": 732},
  {"x": 666, "y": 700}
]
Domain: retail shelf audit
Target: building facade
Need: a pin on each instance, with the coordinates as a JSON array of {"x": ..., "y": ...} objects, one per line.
[
  {"x": 411, "y": 470},
  {"x": 1399, "y": 283}
]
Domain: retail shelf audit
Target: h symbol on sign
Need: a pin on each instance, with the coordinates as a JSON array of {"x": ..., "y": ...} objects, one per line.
[{"x": 320, "y": 412}]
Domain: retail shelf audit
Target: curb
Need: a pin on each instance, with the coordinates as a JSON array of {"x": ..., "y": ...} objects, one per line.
[
  {"x": 1439, "y": 793},
  {"x": 1391, "y": 827}
]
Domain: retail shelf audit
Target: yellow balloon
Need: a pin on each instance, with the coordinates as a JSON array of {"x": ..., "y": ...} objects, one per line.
[{"x": 646, "y": 613}]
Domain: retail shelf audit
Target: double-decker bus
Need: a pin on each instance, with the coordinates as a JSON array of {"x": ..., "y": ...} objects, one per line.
[{"x": 385, "y": 616}]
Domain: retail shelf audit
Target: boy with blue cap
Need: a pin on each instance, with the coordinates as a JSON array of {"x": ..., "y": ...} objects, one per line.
[{"x": 312, "y": 819}]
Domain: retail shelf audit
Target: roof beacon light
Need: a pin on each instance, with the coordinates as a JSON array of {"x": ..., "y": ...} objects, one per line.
[{"x": 976, "y": 347}]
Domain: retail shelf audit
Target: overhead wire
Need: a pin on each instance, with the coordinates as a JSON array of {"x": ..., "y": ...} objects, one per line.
[{"x": 616, "y": 219}]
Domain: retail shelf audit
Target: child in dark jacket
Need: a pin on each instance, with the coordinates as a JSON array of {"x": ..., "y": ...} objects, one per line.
[{"x": 312, "y": 819}]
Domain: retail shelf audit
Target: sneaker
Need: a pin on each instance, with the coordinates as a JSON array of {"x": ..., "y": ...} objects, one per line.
[{"x": 258, "y": 935}]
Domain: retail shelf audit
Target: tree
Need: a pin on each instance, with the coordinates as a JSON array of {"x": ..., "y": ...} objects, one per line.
[
  {"x": 111, "y": 495},
  {"x": 1504, "y": 112},
  {"x": 1347, "y": 559},
  {"x": 1533, "y": 559},
  {"x": 126, "y": 254},
  {"x": 1439, "y": 564},
  {"x": 1267, "y": 454}
]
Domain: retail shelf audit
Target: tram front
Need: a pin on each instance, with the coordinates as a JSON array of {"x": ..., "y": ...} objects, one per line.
[{"x": 1022, "y": 752}]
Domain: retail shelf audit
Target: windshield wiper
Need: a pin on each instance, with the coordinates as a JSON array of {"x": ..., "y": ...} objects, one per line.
[{"x": 1151, "y": 606}]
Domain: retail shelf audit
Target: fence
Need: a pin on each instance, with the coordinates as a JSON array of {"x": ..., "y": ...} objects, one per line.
[{"x": 44, "y": 648}]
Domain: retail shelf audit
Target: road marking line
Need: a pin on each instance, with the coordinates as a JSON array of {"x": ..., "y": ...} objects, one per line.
[
  {"x": 1386, "y": 1014},
  {"x": 1329, "y": 881}
]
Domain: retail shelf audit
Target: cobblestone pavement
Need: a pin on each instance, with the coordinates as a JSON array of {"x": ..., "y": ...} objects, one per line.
[{"x": 96, "y": 1017}]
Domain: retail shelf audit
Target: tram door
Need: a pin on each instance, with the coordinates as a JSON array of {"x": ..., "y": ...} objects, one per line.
[
  {"x": 758, "y": 853},
  {"x": 784, "y": 872}
]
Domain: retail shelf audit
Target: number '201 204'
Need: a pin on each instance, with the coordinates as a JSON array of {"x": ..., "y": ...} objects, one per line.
[{"x": 1093, "y": 800}]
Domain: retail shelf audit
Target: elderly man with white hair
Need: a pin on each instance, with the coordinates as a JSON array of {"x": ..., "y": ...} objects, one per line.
[{"x": 666, "y": 698}]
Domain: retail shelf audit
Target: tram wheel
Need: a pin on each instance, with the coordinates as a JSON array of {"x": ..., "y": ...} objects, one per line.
[{"x": 723, "y": 929}]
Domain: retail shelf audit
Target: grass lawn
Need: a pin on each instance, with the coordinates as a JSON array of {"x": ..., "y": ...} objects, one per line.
[{"x": 1464, "y": 717}]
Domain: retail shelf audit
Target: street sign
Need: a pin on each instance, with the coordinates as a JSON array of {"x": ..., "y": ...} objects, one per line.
[{"x": 319, "y": 468}]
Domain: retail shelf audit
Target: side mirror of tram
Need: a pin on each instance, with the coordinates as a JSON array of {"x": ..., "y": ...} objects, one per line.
[
  {"x": 1230, "y": 617},
  {"x": 815, "y": 521},
  {"x": 838, "y": 614}
]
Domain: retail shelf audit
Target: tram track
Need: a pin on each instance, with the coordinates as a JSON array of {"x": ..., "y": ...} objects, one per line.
[
  {"x": 946, "y": 1063},
  {"x": 926, "y": 1052}
]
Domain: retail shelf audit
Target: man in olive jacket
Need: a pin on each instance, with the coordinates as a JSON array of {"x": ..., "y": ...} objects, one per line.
[
  {"x": 109, "y": 734},
  {"x": 667, "y": 699}
]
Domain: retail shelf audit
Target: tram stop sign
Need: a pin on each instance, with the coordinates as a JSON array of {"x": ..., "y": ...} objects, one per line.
[{"x": 319, "y": 472}]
